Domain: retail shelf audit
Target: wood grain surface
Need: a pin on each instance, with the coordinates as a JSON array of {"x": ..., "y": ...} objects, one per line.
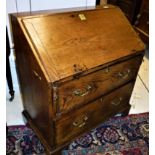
[
  {"x": 91, "y": 115},
  {"x": 75, "y": 70},
  {"x": 64, "y": 40},
  {"x": 92, "y": 86}
]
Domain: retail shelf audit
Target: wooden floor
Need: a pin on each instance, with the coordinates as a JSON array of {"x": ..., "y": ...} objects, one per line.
[{"x": 139, "y": 99}]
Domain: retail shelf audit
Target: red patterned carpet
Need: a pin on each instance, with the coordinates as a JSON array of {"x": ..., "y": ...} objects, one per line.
[{"x": 118, "y": 136}]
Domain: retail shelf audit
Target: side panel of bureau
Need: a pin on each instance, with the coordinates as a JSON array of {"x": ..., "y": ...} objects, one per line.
[
  {"x": 36, "y": 92},
  {"x": 92, "y": 114}
]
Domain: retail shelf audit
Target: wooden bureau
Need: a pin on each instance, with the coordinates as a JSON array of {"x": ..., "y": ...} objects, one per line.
[{"x": 76, "y": 69}]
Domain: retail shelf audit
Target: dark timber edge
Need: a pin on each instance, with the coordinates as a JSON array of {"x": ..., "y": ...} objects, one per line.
[{"x": 126, "y": 111}]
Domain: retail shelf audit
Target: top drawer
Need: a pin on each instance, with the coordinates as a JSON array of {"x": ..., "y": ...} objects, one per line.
[{"x": 91, "y": 86}]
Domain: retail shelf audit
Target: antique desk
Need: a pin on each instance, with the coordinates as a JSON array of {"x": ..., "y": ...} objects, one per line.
[{"x": 76, "y": 69}]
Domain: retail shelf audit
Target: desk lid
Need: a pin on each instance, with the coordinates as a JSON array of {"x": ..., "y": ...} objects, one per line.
[{"x": 67, "y": 43}]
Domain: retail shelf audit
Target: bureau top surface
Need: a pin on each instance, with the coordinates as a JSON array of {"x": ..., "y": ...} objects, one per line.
[{"x": 64, "y": 44}]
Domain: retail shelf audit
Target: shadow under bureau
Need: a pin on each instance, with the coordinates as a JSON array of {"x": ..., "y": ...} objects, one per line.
[{"x": 76, "y": 69}]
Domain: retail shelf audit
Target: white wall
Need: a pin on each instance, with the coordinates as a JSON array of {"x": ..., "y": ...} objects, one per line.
[
  {"x": 36, "y": 5},
  {"x": 13, "y": 6},
  {"x": 57, "y": 4}
]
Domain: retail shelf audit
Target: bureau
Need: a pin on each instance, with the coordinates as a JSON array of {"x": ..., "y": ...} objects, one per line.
[{"x": 76, "y": 69}]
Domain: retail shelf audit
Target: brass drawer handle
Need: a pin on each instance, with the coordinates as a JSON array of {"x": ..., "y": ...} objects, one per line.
[
  {"x": 84, "y": 92},
  {"x": 116, "y": 103},
  {"x": 125, "y": 74},
  {"x": 107, "y": 70},
  {"x": 36, "y": 74},
  {"x": 81, "y": 123}
]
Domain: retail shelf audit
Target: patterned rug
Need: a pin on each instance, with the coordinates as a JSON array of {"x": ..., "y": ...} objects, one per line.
[{"x": 118, "y": 136}]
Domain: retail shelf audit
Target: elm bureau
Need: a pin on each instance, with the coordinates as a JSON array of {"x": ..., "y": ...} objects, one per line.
[{"x": 76, "y": 69}]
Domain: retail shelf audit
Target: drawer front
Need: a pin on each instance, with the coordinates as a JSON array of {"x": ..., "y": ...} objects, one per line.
[
  {"x": 91, "y": 115},
  {"x": 90, "y": 87}
]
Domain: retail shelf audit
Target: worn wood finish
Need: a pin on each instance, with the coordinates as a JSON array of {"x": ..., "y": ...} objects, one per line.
[
  {"x": 91, "y": 86},
  {"x": 55, "y": 40},
  {"x": 65, "y": 65},
  {"x": 92, "y": 114}
]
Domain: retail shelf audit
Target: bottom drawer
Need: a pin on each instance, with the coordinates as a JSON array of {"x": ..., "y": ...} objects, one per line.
[{"x": 91, "y": 115}]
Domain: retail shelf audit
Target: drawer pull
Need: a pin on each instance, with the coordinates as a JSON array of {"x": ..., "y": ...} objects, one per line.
[
  {"x": 116, "y": 103},
  {"x": 125, "y": 74},
  {"x": 81, "y": 123},
  {"x": 107, "y": 70},
  {"x": 36, "y": 74},
  {"x": 101, "y": 99},
  {"x": 86, "y": 91}
]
